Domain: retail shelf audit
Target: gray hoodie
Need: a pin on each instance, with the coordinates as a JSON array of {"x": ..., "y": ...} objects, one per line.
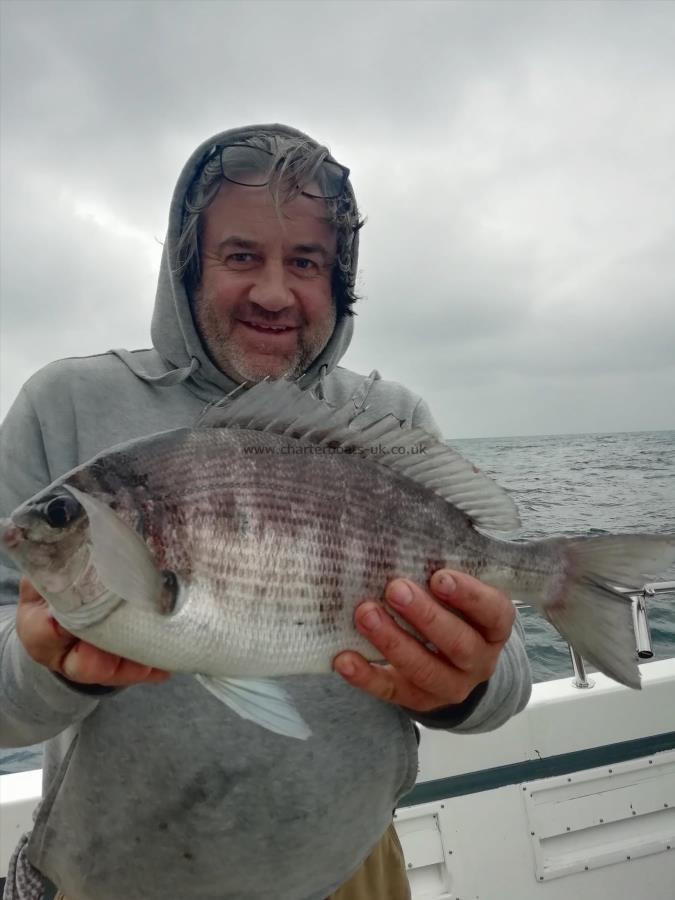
[{"x": 159, "y": 791}]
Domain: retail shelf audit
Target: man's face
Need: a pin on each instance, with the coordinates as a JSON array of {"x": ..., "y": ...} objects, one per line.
[{"x": 264, "y": 306}]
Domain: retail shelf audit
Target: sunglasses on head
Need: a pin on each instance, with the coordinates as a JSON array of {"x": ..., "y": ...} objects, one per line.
[{"x": 252, "y": 167}]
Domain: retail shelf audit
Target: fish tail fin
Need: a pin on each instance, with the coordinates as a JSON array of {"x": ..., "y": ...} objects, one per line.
[{"x": 591, "y": 613}]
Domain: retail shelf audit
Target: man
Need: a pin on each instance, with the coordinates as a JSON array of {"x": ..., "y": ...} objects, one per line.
[{"x": 157, "y": 790}]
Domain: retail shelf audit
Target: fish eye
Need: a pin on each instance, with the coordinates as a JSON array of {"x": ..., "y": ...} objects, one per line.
[{"x": 61, "y": 511}]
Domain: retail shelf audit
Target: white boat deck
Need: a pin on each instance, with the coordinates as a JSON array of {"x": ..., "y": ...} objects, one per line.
[{"x": 575, "y": 797}]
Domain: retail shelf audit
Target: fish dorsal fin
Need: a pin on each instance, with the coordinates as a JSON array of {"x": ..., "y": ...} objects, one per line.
[{"x": 282, "y": 407}]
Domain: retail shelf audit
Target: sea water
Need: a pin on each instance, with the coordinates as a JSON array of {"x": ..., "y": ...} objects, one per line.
[{"x": 579, "y": 484}]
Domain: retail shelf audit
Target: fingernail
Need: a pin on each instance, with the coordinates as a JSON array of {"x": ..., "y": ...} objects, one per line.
[
  {"x": 346, "y": 668},
  {"x": 400, "y": 594},
  {"x": 70, "y": 666},
  {"x": 446, "y": 585},
  {"x": 371, "y": 619}
]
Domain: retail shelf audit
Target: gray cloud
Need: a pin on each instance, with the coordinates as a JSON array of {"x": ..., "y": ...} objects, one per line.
[{"x": 515, "y": 161}]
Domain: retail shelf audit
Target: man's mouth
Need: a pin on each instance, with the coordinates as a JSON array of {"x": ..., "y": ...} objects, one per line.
[{"x": 263, "y": 328}]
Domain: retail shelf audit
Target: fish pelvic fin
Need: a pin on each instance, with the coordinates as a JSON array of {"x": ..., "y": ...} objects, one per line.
[
  {"x": 261, "y": 701},
  {"x": 589, "y": 611},
  {"x": 282, "y": 407}
]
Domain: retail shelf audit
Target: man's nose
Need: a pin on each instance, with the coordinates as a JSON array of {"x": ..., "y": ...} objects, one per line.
[{"x": 270, "y": 289}]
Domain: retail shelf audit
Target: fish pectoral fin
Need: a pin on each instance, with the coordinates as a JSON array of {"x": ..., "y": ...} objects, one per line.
[
  {"x": 123, "y": 562},
  {"x": 261, "y": 701},
  {"x": 90, "y": 614}
]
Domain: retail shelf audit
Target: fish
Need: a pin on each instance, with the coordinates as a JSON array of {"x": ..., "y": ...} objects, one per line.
[{"x": 238, "y": 549}]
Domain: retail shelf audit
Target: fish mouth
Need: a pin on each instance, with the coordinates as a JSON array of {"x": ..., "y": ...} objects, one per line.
[{"x": 12, "y": 535}]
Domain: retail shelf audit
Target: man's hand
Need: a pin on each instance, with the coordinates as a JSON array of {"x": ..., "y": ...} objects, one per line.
[
  {"x": 59, "y": 650},
  {"x": 467, "y": 648}
]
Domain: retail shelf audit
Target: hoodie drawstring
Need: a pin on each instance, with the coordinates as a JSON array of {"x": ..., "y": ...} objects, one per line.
[
  {"x": 168, "y": 379},
  {"x": 321, "y": 387},
  {"x": 175, "y": 376}
]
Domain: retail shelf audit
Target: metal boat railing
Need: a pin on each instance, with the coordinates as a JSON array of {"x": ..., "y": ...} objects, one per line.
[{"x": 643, "y": 640}]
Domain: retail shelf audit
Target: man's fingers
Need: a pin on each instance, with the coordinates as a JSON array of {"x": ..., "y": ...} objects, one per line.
[
  {"x": 485, "y": 608},
  {"x": 52, "y": 646},
  {"x": 413, "y": 663},
  {"x": 457, "y": 640},
  {"x": 33, "y": 608},
  {"x": 383, "y": 682},
  {"x": 87, "y": 664},
  {"x": 460, "y": 626},
  {"x": 43, "y": 638},
  {"x": 29, "y": 595}
]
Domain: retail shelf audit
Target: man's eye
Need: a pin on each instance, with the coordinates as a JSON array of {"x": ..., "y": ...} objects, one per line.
[
  {"x": 305, "y": 265},
  {"x": 240, "y": 260}
]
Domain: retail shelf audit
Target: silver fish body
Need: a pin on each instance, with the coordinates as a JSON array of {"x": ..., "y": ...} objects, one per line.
[{"x": 273, "y": 549}]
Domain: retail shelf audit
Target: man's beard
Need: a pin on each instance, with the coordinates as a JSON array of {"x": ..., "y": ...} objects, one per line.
[{"x": 241, "y": 364}]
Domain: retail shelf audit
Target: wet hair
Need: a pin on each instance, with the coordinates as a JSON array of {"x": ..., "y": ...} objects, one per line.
[{"x": 294, "y": 164}]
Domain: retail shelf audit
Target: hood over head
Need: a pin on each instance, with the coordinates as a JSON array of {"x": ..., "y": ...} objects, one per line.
[{"x": 174, "y": 333}]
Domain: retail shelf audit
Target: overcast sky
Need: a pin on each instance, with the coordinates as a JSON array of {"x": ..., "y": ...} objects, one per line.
[{"x": 516, "y": 162}]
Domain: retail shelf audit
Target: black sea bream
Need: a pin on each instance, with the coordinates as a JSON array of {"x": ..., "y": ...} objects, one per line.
[{"x": 239, "y": 549}]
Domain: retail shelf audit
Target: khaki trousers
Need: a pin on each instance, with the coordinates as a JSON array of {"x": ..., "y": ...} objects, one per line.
[{"x": 381, "y": 876}]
